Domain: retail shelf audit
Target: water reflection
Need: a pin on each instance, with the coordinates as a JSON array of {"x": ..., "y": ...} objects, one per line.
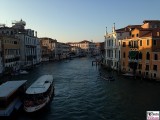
[{"x": 81, "y": 94}]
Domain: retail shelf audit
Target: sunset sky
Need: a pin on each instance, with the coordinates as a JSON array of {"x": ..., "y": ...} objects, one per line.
[{"x": 76, "y": 20}]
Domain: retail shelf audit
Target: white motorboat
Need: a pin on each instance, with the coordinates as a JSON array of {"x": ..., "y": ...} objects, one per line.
[
  {"x": 39, "y": 94},
  {"x": 128, "y": 74},
  {"x": 23, "y": 72}
]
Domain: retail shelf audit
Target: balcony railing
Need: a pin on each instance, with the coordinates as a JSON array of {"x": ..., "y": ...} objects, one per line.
[{"x": 133, "y": 46}]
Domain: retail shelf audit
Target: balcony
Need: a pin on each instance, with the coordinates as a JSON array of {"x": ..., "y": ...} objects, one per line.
[
  {"x": 133, "y": 46},
  {"x": 11, "y": 64},
  {"x": 133, "y": 55}
]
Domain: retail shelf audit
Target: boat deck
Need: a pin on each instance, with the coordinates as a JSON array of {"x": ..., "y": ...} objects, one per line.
[
  {"x": 9, "y": 87},
  {"x": 41, "y": 85}
]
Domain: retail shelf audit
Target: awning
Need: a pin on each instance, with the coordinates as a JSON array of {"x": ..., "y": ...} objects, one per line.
[{"x": 133, "y": 54}]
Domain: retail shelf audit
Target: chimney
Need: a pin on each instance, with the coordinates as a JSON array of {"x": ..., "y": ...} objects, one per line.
[
  {"x": 36, "y": 33},
  {"x": 113, "y": 28}
]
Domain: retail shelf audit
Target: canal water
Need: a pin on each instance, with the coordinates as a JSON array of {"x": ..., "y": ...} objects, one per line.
[{"x": 82, "y": 94}]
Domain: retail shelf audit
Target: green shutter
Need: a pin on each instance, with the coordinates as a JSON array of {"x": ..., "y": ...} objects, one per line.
[{"x": 132, "y": 54}]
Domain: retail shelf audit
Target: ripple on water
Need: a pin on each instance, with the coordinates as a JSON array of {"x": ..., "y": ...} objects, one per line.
[{"x": 81, "y": 94}]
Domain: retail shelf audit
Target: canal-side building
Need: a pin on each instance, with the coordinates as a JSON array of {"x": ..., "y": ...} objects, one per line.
[
  {"x": 125, "y": 47},
  {"x": 48, "y": 46},
  {"x": 102, "y": 52},
  {"x": 122, "y": 35},
  {"x": 140, "y": 51},
  {"x": 77, "y": 51},
  {"x": 87, "y": 47},
  {"x": 112, "y": 49},
  {"x": 65, "y": 50},
  {"x": 1, "y": 58},
  {"x": 38, "y": 51},
  {"x": 10, "y": 53},
  {"x": 77, "y": 44},
  {"x": 62, "y": 50},
  {"x": 99, "y": 47},
  {"x": 29, "y": 43},
  {"x": 59, "y": 51}
]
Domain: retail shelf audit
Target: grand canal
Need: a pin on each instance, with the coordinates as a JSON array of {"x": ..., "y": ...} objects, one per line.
[{"x": 81, "y": 94}]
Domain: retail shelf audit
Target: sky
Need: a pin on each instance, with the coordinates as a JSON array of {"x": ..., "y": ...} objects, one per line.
[{"x": 77, "y": 20}]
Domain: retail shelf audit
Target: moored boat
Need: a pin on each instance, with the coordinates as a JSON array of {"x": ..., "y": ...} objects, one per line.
[
  {"x": 23, "y": 72},
  {"x": 128, "y": 75},
  {"x": 11, "y": 93},
  {"x": 39, "y": 94}
]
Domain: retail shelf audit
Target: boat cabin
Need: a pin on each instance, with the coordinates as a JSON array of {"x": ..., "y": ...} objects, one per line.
[
  {"x": 39, "y": 93},
  {"x": 11, "y": 93}
]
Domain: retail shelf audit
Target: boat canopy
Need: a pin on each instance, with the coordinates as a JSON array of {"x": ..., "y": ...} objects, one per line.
[
  {"x": 9, "y": 87},
  {"x": 41, "y": 85}
]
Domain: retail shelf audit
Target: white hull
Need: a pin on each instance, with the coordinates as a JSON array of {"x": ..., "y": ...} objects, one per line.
[
  {"x": 23, "y": 72},
  {"x": 44, "y": 89},
  {"x": 128, "y": 75}
]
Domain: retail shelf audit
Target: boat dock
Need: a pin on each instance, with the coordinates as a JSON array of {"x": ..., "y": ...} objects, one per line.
[{"x": 10, "y": 93}]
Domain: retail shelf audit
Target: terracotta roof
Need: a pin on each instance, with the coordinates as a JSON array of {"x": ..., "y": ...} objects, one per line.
[
  {"x": 128, "y": 28},
  {"x": 148, "y": 34},
  {"x": 146, "y": 21},
  {"x": 134, "y": 26},
  {"x": 85, "y": 41},
  {"x": 120, "y": 30}
]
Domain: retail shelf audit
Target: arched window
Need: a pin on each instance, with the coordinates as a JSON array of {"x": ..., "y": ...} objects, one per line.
[
  {"x": 140, "y": 42},
  {"x": 119, "y": 54},
  {"x": 155, "y": 57},
  {"x": 140, "y": 55},
  {"x": 11, "y": 32},
  {"x": 124, "y": 55},
  {"x": 148, "y": 56}
]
